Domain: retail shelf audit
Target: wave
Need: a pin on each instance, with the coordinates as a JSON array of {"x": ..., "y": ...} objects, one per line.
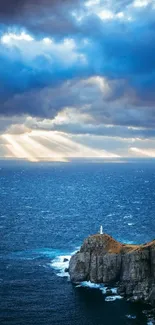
[
  {"x": 110, "y": 292},
  {"x": 114, "y": 290},
  {"x": 61, "y": 263},
  {"x": 131, "y": 316},
  {"x": 113, "y": 298},
  {"x": 31, "y": 254},
  {"x": 89, "y": 284},
  {"x": 130, "y": 223},
  {"x": 129, "y": 216}
]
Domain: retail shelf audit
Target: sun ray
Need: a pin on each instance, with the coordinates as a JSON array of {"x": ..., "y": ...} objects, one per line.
[
  {"x": 143, "y": 152},
  {"x": 42, "y": 151},
  {"x": 58, "y": 147},
  {"x": 73, "y": 148},
  {"x": 17, "y": 149}
]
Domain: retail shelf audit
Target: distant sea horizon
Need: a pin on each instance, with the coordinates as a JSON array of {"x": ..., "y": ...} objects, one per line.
[{"x": 81, "y": 160}]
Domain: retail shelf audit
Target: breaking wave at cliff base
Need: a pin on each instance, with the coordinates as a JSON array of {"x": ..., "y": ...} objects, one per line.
[{"x": 61, "y": 264}]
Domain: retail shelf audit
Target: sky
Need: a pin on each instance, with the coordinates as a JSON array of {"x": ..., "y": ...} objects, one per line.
[{"x": 77, "y": 79}]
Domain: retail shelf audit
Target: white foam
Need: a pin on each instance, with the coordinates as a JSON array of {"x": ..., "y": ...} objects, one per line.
[
  {"x": 112, "y": 298},
  {"x": 129, "y": 216},
  {"x": 111, "y": 215},
  {"x": 89, "y": 285},
  {"x": 101, "y": 287},
  {"x": 59, "y": 264},
  {"x": 114, "y": 290},
  {"x": 150, "y": 322},
  {"x": 120, "y": 206},
  {"x": 131, "y": 316},
  {"x": 104, "y": 290},
  {"x": 130, "y": 224}
]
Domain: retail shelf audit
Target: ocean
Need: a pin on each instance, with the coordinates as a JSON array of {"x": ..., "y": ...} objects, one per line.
[{"x": 46, "y": 211}]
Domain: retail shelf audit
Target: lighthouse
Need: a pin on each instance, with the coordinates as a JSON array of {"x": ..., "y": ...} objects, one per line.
[{"x": 101, "y": 230}]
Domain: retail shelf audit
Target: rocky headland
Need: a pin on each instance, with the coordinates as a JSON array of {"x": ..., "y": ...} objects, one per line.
[{"x": 102, "y": 259}]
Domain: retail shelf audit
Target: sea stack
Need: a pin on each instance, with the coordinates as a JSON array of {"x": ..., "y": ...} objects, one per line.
[{"x": 102, "y": 259}]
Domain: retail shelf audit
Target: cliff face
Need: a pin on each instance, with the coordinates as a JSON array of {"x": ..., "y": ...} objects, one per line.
[{"x": 102, "y": 259}]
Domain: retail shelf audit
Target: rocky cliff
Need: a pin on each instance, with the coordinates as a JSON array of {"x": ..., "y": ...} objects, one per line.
[{"x": 102, "y": 259}]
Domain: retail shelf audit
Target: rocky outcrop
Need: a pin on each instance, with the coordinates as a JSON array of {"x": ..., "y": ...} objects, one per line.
[{"x": 102, "y": 259}]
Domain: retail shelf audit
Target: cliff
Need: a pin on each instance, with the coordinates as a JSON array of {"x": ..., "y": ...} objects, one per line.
[{"x": 102, "y": 259}]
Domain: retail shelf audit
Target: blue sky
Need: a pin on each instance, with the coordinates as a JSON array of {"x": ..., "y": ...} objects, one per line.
[{"x": 77, "y": 79}]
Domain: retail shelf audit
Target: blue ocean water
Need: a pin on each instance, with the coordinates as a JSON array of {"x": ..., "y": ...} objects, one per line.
[{"x": 46, "y": 211}]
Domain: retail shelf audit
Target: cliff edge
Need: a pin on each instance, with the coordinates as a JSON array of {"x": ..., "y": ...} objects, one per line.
[{"x": 102, "y": 259}]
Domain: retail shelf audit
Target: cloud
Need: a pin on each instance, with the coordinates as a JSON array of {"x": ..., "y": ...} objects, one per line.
[
  {"x": 83, "y": 126},
  {"x": 83, "y": 67},
  {"x": 84, "y": 106},
  {"x": 97, "y": 101},
  {"x": 39, "y": 17},
  {"x": 28, "y": 65}
]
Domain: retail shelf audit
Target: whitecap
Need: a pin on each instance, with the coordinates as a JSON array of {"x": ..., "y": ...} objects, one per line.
[
  {"x": 120, "y": 206},
  {"x": 114, "y": 290},
  {"x": 130, "y": 224},
  {"x": 45, "y": 211},
  {"x": 89, "y": 285},
  {"x": 112, "y": 298},
  {"x": 101, "y": 287},
  {"x": 128, "y": 216},
  {"x": 104, "y": 290},
  {"x": 131, "y": 316},
  {"x": 61, "y": 263}
]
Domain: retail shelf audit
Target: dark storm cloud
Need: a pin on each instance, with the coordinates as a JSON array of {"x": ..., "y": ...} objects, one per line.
[{"x": 39, "y": 16}]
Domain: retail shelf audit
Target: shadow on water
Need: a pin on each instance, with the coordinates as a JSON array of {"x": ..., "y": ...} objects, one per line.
[{"x": 99, "y": 312}]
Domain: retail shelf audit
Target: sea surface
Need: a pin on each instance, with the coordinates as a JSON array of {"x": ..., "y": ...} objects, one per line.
[{"x": 46, "y": 211}]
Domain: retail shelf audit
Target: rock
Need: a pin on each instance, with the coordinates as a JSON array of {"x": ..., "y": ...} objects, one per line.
[
  {"x": 66, "y": 269},
  {"x": 66, "y": 260},
  {"x": 102, "y": 259},
  {"x": 79, "y": 267},
  {"x": 152, "y": 296}
]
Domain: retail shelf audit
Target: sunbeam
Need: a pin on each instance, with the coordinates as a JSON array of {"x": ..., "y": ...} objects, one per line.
[
  {"x": 17, "y": 149},
  {"x": 74, "y": 149},
  {"x": 142, "y": 152},
  {"x": 42, "y": 151},
  {"x": 52, "y": 146}
]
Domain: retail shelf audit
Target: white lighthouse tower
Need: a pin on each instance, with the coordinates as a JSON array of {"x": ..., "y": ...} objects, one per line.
[{"x": 101, "y": 230}]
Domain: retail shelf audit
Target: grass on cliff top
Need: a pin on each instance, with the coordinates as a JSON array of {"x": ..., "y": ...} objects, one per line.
[{"x": 110, "y": 245}]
